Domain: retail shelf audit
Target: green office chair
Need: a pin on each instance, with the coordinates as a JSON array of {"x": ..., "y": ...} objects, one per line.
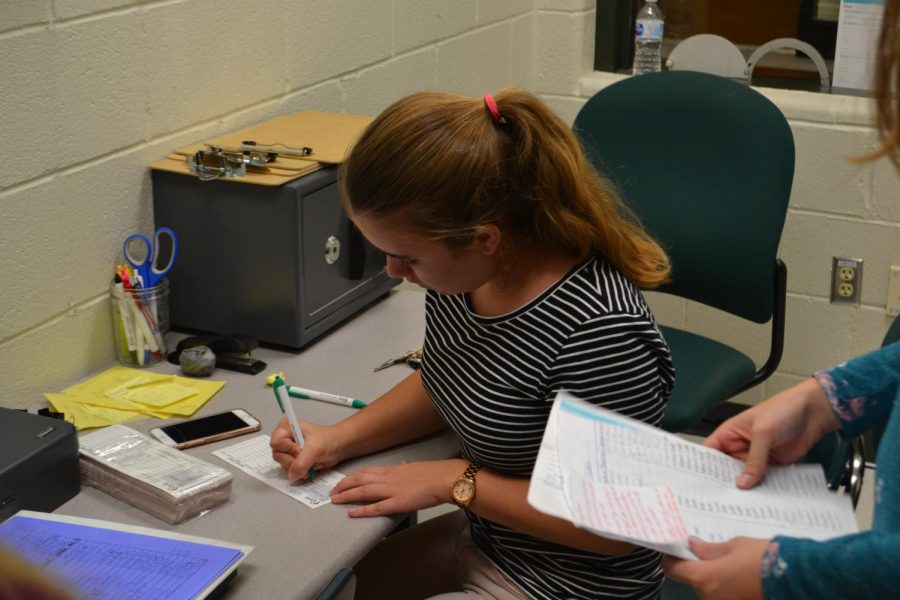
[{"x": 707, "y": 165}]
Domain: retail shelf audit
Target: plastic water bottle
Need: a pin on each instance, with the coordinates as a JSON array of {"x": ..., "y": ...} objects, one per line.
[{"x": 648, "y": 36}]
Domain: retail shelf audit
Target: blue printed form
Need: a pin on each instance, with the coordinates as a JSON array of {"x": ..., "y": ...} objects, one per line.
[{"x": 104, "y": 560}]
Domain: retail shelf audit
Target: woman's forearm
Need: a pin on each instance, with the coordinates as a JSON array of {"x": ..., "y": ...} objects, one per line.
[{"x": 402, "y": 414}]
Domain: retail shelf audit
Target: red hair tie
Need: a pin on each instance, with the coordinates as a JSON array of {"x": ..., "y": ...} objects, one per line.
[{"x": 492, "y": 108}]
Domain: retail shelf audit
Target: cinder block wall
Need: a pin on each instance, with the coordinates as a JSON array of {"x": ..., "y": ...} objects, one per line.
[
  {"x": 92, "y": 91},
  {"x": 836, "y": 209}
]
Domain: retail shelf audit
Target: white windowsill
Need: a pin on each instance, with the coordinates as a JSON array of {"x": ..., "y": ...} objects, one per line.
[{"x": 796, "y": 105}]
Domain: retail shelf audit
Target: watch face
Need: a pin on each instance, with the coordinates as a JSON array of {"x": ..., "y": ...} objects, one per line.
[{"x": 463, "y": 490}]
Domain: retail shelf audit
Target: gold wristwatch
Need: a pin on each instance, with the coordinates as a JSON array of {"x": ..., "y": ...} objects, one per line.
[{"x": 462, "y": 490}]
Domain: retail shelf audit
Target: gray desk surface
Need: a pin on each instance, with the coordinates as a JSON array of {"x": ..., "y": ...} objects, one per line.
[{"x": 297, "y": 549}]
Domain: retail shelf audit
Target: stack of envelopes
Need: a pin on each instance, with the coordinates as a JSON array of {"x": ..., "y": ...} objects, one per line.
[
  {"x": 158, "y": 479},
  {"x": 121, "y": 394}
]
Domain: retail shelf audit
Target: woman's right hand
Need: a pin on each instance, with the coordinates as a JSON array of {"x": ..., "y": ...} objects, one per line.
[
  {"x": 321, "y": 449},
  {"x": 780, "y": 430}
]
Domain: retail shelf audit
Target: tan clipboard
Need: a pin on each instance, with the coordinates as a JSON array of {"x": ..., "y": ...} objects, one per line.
[{"x": 329, "y": 135}]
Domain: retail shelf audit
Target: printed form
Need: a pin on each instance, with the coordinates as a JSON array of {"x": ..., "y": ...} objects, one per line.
[
  {"x": 109, "y": 561},
  {"x": 626, "y": 480},
  {"x": 859, "y": 25},
  {"x": 254, "y": 457}
]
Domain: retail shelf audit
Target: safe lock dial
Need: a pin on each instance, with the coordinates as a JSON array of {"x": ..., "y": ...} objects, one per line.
[{"x": 332, "y": 250}]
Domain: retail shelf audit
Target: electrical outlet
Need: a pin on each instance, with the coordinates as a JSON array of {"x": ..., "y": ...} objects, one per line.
[{"x": 846, "y": 280}]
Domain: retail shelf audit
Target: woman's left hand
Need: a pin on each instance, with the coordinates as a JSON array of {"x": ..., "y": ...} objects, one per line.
[
  {"x": 404, "y": 488},
  {"x": 726, "y": 571}
]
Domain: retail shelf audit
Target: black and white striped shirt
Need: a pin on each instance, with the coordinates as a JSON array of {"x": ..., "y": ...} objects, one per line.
[{"x": 493, "y": 379}]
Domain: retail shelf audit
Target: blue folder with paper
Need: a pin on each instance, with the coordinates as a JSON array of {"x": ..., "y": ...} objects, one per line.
[{"x": 100, "y": 560}]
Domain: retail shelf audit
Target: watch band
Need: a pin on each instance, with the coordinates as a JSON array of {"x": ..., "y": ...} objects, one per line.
[{"x": 470, "y": 471}]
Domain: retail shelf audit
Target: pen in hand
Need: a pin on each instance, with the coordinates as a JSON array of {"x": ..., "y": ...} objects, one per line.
[{"x": 287, "y": 409}]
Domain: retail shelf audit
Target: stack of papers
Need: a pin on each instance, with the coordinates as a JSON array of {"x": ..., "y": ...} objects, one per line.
[
  {"x": 165, "y": 482},
  {"x": 102, "y": 560},
  {"x": 120, "y": 395},
  {"x": 625, "y": 480}
]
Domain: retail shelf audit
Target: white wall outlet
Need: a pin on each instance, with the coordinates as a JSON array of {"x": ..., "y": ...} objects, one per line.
[
  {"x": 892, "y": 307},
  {"x": 846, "y": 280}
]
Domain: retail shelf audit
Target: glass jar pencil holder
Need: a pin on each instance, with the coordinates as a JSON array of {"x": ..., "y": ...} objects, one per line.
[{"x": 140, "y": 323}]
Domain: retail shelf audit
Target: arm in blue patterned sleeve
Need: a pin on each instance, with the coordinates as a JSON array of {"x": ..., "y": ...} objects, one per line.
[
  {"x": 862, "y": 391},
  {"x": 859, "y": 566},
  {"x": 861, "y": 394}
]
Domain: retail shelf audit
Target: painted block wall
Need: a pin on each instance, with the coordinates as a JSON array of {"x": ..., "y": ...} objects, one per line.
[
  {"x": 836, "y": 209},
  {"x": 93, "y": 91}
]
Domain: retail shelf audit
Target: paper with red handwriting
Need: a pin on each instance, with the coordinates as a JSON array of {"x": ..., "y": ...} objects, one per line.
[{"x": 626, "y": 480}]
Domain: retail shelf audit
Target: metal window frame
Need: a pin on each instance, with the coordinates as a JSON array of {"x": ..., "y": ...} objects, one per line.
[
  {"x": 614, "y": 44},
  {"x": 614, "y": 40}
]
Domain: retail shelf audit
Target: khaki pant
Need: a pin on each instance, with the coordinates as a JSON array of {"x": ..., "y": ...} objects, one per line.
[{"x": 436, "y": 559}]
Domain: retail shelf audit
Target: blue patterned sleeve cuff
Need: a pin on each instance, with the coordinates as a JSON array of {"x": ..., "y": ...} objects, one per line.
[
  {"x": 847, "y": 409},
  {"x": 859, "y": 566},
  {"x": 862, "y": 391}
]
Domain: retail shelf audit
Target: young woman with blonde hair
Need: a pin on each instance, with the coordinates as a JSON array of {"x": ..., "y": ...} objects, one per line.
[{"x": 533, "y": 270}]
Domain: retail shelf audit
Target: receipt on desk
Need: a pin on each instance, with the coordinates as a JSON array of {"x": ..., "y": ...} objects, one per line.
[{"x": 254, "y": 457}]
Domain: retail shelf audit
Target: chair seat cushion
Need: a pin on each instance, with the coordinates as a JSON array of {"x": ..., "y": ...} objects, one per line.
[{"x": 707, "y": 373}]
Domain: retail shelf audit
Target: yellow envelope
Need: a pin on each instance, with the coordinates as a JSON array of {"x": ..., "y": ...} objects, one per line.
[
  {"x": 121, "y": 394},
  {"x": 87, "y": 416}
]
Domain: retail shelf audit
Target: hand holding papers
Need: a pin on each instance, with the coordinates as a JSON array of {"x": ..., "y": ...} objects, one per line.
[{"x": 626, "y": 480}]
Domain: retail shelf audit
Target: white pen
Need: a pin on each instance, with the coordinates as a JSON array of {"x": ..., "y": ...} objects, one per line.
[
  {"x": 287, "y": 409},
  {"x": 299, "y": 392}
]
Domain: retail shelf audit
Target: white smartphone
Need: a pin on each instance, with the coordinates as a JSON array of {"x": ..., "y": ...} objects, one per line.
[{"x": 207, "y": 429}]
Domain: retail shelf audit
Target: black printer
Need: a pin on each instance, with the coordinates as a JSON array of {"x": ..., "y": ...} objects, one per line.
[{"x": 38, "y": 462}]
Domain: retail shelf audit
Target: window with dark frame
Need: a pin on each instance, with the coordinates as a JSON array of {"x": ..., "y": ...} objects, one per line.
[{"x": 746, "y": 23}]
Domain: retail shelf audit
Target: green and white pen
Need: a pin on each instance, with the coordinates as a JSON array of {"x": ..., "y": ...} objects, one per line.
[
  {"x": 287, "y": 409},
  {"x": 299, "y": 392}
]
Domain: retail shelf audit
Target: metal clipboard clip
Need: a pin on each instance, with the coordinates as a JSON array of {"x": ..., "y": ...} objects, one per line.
[
  {"x": 220, "y": 162},
  {"x": 278, "y": 148}
]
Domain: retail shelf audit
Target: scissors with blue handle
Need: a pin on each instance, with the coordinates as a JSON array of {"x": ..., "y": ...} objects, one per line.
[{"x": 151, "y": 260}]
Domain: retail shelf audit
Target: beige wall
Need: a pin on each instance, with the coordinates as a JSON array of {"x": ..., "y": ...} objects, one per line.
[{"x": 92, "y": 91}]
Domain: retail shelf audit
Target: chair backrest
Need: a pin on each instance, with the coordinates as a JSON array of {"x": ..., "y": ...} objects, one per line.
[{"x": 707, "y": 165}]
